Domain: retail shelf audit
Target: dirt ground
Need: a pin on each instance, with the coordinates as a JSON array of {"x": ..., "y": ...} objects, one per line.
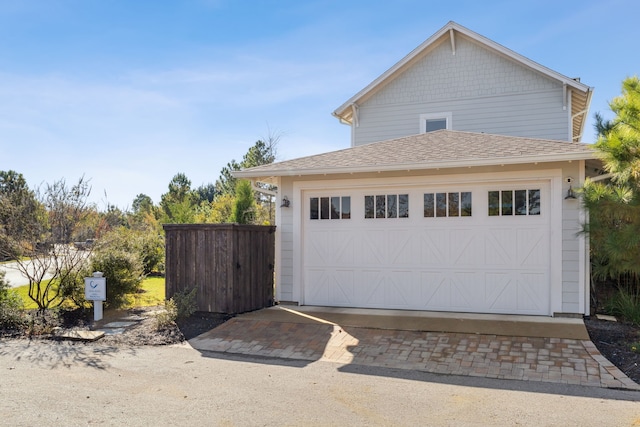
[
  {"x": 618, "y": 342},
  {"x": 146, "y": 332}
]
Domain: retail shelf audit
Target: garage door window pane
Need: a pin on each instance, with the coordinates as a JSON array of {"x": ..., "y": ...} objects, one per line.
[
  {"x": 534, "y": 202},
  {"x": 314, "y": 208},
  {"x": 514, "y": 202},
  {"x": 403, "y": 206},
  {"x": 494, "y": 203},
  {"x": 465, "y": 204},
  {"x": 335, "y": 208},
  {"x": 520, "y": 205},
  {"x": 380, "y": 206},
  {"x": 392, "y": 206},
  {"x": 324, "y": 208},
  {"x": 507, "y": 203},
  {"x": 369, "y": 207},
  {"x": 441, "y": 204},
  {"x": 454, "y": 204},
  {"x": 346, "y": 207},
  {"x": 429, "y": 210}
]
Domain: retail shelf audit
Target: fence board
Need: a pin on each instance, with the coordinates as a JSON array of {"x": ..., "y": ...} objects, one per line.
[{"x": 231, "y": 265}]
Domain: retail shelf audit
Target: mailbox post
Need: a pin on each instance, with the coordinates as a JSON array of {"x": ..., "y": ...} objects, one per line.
[{"x": 95, "y": 289}]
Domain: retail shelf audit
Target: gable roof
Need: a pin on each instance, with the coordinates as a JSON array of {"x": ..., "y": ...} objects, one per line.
[
  {"x": 432, "y": 150},
  {"x": 580, "y": 93}
]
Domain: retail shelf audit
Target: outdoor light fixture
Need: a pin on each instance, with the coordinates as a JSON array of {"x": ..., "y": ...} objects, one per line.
[
  {"x": 570, "y": 194},
  {"x": 285, "y": 202}
]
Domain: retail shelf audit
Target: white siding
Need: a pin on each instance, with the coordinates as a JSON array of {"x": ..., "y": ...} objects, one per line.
[
  {"x": 284, "y": 283},
  {"x": 571, "y": 243},
  {"x": 484, "y": 91}
]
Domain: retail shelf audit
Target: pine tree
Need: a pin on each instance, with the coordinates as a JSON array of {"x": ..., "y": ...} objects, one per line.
[
  {"x": 244, "y": 206},
  {"x": 614, "y": 206}
]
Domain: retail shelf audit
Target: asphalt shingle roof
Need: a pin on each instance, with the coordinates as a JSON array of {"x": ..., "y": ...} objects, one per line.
[{"x": 440, "y": 149}]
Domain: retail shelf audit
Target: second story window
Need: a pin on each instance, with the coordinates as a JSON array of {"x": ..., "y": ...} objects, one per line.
[{"x": 436, "y": 121}]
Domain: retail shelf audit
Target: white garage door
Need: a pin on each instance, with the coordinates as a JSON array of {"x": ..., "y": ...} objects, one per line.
[{"x": 475, "y": 248}]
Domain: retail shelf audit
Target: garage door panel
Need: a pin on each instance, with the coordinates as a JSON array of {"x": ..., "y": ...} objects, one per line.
[
  {"x": 533, "y": 248},
  {"x": 434, "y": 246},
  {"x": 482, "y": 263},
  {"x": 501, "y": 291},
  {"x": 330, "y": 247},
  {"x": 465, "y": 248},
  {"x": 401, "y": 247},
  {"x": 398, "y": 289},
  {"x": 530, "y": 298},
  {"x": 500, "y": 247},
  {"x": 371, "y": 288},
  {"x": 466, "y": 291},
  {"x": 344, "y": 248},
  {"x": 319, "y": 292},
  {"x": 434, "y": 290},
  {"x": 342, "y": 289},
  {"x": 372, "y": 247},
  {"x": 317, "y": 248}
]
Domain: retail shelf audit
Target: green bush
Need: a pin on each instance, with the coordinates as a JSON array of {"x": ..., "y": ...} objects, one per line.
[
  {"x": 72, "y": 286},
  {"x": 168, "y": 316},
  {"x": 123, "y": 271},
  {"x": 151, "y": 247},
  {"x": 146, "y": 243},
  {"x": 185, "y": 302},
  {"x": 11, "y": 307},
  {"x": 625, "y": 303}
]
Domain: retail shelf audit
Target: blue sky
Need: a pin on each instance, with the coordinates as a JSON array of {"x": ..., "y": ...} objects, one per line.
[{"x": 129, "y": 93}]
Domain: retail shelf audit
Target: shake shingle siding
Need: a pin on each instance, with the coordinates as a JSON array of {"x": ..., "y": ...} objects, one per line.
[{"x": 484, "y": 91}]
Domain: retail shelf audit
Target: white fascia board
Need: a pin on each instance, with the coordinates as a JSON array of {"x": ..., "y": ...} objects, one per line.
[{"x": 496, "y": 161}]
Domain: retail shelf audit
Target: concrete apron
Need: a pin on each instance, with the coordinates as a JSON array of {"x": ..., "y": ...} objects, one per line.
[
  {"x": 556, "y": 350},
  {"x": 402, "y": 320}
]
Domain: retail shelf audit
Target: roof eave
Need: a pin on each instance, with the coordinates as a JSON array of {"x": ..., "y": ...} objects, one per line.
[
  {"x": 420, "y": 166},
  {"x": 586, "y": 114}
]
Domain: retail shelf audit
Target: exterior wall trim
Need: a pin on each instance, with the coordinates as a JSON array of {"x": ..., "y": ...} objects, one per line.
[
  {"x": 278, "y": 244},
  {"x": 584, "y": 263}
]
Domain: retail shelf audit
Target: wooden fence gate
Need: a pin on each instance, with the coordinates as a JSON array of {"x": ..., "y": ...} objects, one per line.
[{"x": 231, "y": 265}]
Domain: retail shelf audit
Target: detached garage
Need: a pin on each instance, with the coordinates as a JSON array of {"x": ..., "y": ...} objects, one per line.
[
  {"x": 442, "y": 221},
  {"x": 456, "y": 194}
]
